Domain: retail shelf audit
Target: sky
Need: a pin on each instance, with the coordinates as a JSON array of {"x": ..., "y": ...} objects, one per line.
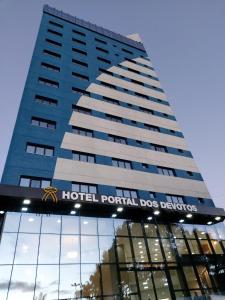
[{"x": 185, "y": 41}]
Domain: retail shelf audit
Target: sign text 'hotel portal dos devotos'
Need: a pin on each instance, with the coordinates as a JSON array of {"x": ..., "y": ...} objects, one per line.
[{"x": 128, "y": 202}]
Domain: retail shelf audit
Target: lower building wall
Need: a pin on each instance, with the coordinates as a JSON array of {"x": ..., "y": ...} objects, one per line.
[{"x": 72, "y": 257}]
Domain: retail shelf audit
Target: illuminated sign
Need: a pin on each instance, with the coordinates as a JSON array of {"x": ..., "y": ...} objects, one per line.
[{"x": 50, "y": 194}]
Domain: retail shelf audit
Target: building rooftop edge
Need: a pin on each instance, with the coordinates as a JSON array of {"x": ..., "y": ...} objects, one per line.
[{"x": 67, "y": 17}]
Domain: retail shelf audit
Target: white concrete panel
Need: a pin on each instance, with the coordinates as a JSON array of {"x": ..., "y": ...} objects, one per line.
[
  {"x": 107, "y": 148},
  {"x": 127, "y": 113},
  {"x": 131, "y": 86},
  {"x": 132, "y": 75},
  {"x": 102, "y": 125},
  {"x": 124, "y": 97},
  {"x": 143, "y": 61},
  {"x": 139, "y": 68},
  {"x": 135, "y": 37},
  {"x": 70, "y": 170}
]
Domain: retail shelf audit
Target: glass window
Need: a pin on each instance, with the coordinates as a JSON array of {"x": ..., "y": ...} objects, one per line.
[
  {"x": 205, "y": 247},
  {"x": 70, "y": 249},
  {"x": 168, "y": 250},
  {"x": 161, "y": 285},
  {"x": 191, "y": 278},
  {"x": 70, "y": 225},
  {"x": 120, "y": 227},
  {"x": 69, "y": 281},
  {"x": 7, "y": 248},
  {"x": 51, "y": 224},
  {"x": 88, "y": 225},
  {"x": 35, "y": 183},
  {"x": 12, "y": 222},
  {"x": 48, "y": 279},
  {"x": 49, "y": 249},
  {"x": 164, "y": 230},
  {"x": 105, "y": 226},
  {"x": 89, "y": 249},
  {"x": 201, "y": 231},
  {"x": 181, "y": 247},
  {"x": 5, "y": 272},
  {"x": 25, "y": 182},
  {"x": 90, "y": 278},
  {"x": 22, "y": 283},
  {"x": 124, "y": 250},
  {"x": 212, "y": 232},
  {"x": 136, "y": 229},
  {"x": 30, "y": 149},
  {"x": 128, "y": 283},
  {"x": 107, "y": 249},
  {"x": 177, "y": 231},
  {"x": 146, "y": 286},
  {"x": 217, "y": 247},
  {"x": 109, "y": 280},
  {"x": 27, "y": 248},
  {"x": 45, "y": 183},
  {"x": 177, "y": 279},
  {"x": 204, "y": 277},
  {"x": 193, "y": 246},
  {"x": 140, "y": 250},
  {"x": 221, "y": 230},
  {"x": 150, "y": 230},
  {"x": 155, "y": 250},
  {"x": 30, "y": 223},
  {"x": 189, "y": 230}
]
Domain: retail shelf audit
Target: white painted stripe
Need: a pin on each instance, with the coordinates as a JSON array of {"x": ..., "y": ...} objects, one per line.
[
  {"x": 106, "y": 148},
  {"x": 77, "y": 171},
  {"x": 124, "y": 97},
  {"x": 143, "y": 61},
  {"x": 132, "y": 132},
  {"x": 127, "y": 113},
  {"x": 139, "y": 68},
  {"x": 131, "y": 86},
  {"x": 132, "y": 75}
]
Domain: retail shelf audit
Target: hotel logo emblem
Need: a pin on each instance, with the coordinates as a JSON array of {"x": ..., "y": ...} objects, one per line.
[{"x": 50, "y": 193}]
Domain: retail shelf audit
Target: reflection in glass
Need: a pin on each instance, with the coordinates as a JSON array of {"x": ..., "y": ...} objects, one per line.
[
  {"x": 201, "y": 231},
  {"x": 163, "y": 230},
  {"x": 161, "y": 285},
  {"x": 128, "y": 283},
  {"x": 30, "y": 223},
  {"x": 49, "y": 249},
  {"x": 204, "y": 277},
  {"x": 70, "y": 249},
  {"x": 177, "y": 230},
  {"x": 177, "y": 279},
  {"x": 107, "y": 249},
  {"x": 7, "y": 248},
  {"x": 47, "y": 282},
  {"x": 221, "y": 230},
  {"x": 150, "y": 230},
  {"x": 51, "y": 224},
  {"x": 189, "y": 230},
  {"x": 168, "y": 250},
  {"x": 120, "y": 227},
  {"x": 181, "y": 247},
  {"x": 136, "y": 229},
  {"x": 69, "y": 281},
  {"x": 146, "y": 286},
  {"x": 212, "y": 232},
  {"x": 124, "y": 250},
  {"x": 105, "y": 226},
  {"x": 5, "y": 272},
  {"x": 88, "y": 225},
  {"x": 109, "y": 280},
  {"x": 12, "y": 222},
  {"x": 90, "y": 278},
  {"x": 191, "y": 278},
  {"x": 89, "y": 249},
  {"x": 217, "y": 247},
  {"x": 27, "y": 248},
  {"x": 70, "y": 225},
  {"x": 193, "y": 246},
  {"x": 205, "y": 247},
  {"x": 140, "y": 250},
  {"x": 155, "y": 250},
  {"x": 22, "y": 283}
]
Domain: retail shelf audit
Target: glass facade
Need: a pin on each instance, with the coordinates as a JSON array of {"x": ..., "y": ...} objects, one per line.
[{"x": 48, "y": 257}]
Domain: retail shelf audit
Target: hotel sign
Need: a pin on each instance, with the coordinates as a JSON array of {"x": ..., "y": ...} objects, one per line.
[{"x": 126, "y": 202}]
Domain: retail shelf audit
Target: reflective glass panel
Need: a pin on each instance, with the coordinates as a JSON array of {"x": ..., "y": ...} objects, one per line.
[
  {"x": 191, "y": 278},
  {"x": 139, "y": 250},
  {"x": 7, "y": 248},
  {"x": 201, "y": 231},
  {"x": 51, "y": 224},
  {"x": 88, "y": 225},
  {"x": 27, "y": 248},
  {"x": 161, "y": 285},
  {"x": 12, "y": 222},
  {"x": 155, "y": 250},
  {"x": 109, "y": 280},
  {"x": 120, "y": 227},
  {"x": 181, "y": 247},
  {"x": 22, "y": 283},
  {"x": 193, "y": 247},
  {"x": 49, "y": 249},
  {"x": 221, "y": 230},
  {"x": 30, "y": 223},
  {"x": 150, "y": 230},
  {"x": 212, "y": 232},
  {"x": 205, "y": 247},
  {"x": 146, "y": 286},
  {"x": 70, "y": 249},
  {"x": 204, "y": 277},
  {"x": 177, "y": 231},
  {"x": 70, "y": 225},
  {"x": 105, "y": 226},
  {"x": 69, "y": 281},
  {"x": 128, "y": 283},
  {"x": 5, "y": 272},
  {"x": 89, "y": 249},
  {"x": 168, "y": 250},
  {"x": 177, "y": 279},
  {"x": 136, "y": 229},
  {"x": 164, "y": 230},
  {"x": 217, "y": 247},
  {"x": 189, "y": 230},
  {"x": 124, "y": 250},
  {"x": 90, "y": 278},
  {"x": 107, "y": 249}
]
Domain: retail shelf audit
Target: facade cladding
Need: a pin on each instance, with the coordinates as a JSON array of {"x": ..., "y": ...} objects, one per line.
[{"x": 128, "y": 215}]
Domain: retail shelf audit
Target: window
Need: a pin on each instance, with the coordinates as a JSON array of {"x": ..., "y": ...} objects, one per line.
[
  {"x": 127, "y": 51},
  {"x": 105, "y": 71},
  {"x": 145, "y": 166},
  {"x": 166, "y": 171},
  {"x": 53, "y": 42},
  {"x": 51, "y": 53},
  {"x": 50, "y": 67},
  {"x": 175, "y": 199},
  {"x": 134, "y": 71},
  {"x": 35, "y": 182},
  {"x": 79, "y": 51},
  {"x": 48, "y": 82},
  {"x": 78, "y": 41},
  {"x": 80, "y": 76},
  {"x": 130, "y": 60},
  {"x": 114, "y": 118},
  {"x": 40, "y": 149},
  {"x": 151, "y": 127},
  {"x": 137, "y": 82},
  {"x": 119, "y": 163},
  {"x": 85, "y": 157},
  {"x": 79, "y": 32},
  {"x": 104, "y": 60},
  {"x": 80, "y": 63},
  {"x": 151, "y": 195},
  {"x": 109, "y": 100},
  {"x": 55, "y": 24},
  {"x": 84, "y": 188},
  {"x": 141, "y": 95},
  {"x": 82, "y": 131},
  {"x": 146, "y": 110},
  {"x": 82, "y": 110},
  {"x": 101, "y": 41},
  {"x": 189, "y": 173},
  {"x": 117, "y": 139},
  {"x": 80, "y": 91},
  {"x": 43, "y": 123},
  {"x": 139, "y": 142},
  {"x": 111, "y": 86},
  {"x": 45, "y": 100},
  {"x": 120, "y": 192},
  {"x": 158, "y": 148},
  {"x": 55, "y": 32},
  {"x": 102, "y": 50}
]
